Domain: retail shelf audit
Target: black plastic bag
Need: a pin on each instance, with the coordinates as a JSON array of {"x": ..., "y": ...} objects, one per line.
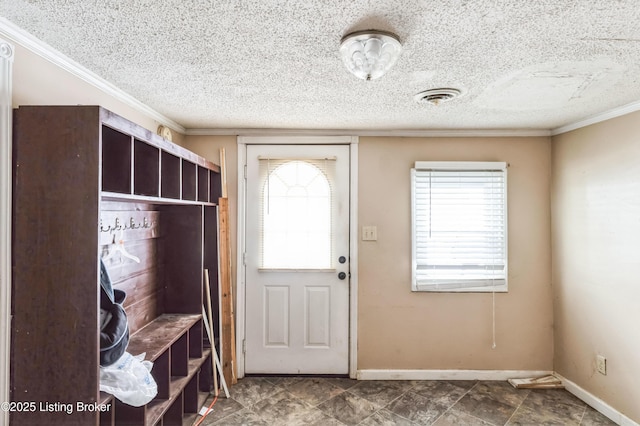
[{"x": 114, "y": 326}]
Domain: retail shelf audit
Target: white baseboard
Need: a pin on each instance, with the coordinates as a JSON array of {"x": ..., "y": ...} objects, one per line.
[
  {"x": 576, "y": 390},
  {"x": 596, "y": 403},
  {"x": 449, "y": 374}
]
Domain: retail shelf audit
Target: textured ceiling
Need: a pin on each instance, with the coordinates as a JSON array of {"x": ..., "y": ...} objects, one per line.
[{"x": 274, "y": 64}]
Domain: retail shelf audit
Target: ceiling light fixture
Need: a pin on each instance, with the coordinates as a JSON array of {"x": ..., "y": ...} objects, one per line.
[{"x": 370, "y": 54}]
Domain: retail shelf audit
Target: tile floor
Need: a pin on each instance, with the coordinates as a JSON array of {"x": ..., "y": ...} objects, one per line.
[{"x": 335, "y": 401}]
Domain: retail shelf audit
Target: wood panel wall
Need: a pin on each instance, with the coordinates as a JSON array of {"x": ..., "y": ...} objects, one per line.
[{"x": 142, "y": 282}]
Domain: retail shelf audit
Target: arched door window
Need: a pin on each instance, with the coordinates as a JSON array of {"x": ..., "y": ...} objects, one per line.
[{"x": 296, "y": 214}]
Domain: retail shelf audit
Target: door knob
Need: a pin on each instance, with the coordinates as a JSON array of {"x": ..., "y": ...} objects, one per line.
[{"x": 342, "y": 275}]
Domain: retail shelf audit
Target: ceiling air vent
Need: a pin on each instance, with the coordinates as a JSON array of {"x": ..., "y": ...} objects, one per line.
[{"x": 437, "y": 96}]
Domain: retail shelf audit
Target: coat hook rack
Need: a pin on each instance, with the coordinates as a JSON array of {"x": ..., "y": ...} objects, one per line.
[{"x": 117, "y": 226}]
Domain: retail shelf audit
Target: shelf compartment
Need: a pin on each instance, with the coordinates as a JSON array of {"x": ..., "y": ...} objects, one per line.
[
  {"x": 188, "y": 180},
  {"x": 146, "y": 177},
  {"x": 156, "y": 409},
  {"x": 215, "y": 185},
  {"x": 201, "y": 399},
  {"x": 179, "y": 356},
  {"x": 128, "y": 415},
  {"x": 173, "y": 416},
  {"x": 161, "y": 374},
  {"x": 170, "y": 176},
  {"x": 195, "y": 340},
  {"x": 116, "y": 161},
  {"x": 157, "y": 337},
  {"x": 191, "y": 395},
  {"x": 107, "y": 418},
  {"x": 203, "y": 184}
]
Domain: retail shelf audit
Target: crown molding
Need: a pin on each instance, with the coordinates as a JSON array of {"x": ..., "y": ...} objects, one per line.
[
  {"x": 37, "y": 46},
  {"x": 598, "y": 118},
  {"x": 452, "y": 133}
]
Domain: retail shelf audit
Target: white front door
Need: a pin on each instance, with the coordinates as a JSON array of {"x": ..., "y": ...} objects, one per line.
[{"x": 297, "y": 259}]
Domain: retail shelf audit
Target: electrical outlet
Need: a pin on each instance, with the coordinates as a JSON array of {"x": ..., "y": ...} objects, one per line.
[{"x": 601, "y": 364}]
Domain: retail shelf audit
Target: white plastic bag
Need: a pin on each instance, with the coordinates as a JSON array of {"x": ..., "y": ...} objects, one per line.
[{"x": 129, "y": 379}]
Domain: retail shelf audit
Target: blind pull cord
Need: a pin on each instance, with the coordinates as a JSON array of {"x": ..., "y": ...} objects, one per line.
[
  {"x": 430, "y": 193},
  {"x": 493, "y": 296}
]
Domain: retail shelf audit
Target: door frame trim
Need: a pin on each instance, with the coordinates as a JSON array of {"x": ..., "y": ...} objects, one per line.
[
  {"x": 6, "y": 177},
  {"x": 352, "y": 141}
]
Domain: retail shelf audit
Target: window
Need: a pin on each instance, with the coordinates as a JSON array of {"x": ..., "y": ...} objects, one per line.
[
  {"x": 296, "y": 209},
  {"x": 459, "y": 226}
]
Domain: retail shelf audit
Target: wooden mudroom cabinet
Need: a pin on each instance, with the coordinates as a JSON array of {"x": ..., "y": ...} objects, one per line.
[{"x": 88, "y": 182}]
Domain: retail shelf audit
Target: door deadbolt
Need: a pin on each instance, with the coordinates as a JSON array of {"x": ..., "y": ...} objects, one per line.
[{"x": 342, "y": 259}]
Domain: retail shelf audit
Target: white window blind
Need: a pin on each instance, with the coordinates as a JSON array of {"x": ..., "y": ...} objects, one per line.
[
  {"x": 296, "y": 213},
  {"x": 459, "y": 226}
]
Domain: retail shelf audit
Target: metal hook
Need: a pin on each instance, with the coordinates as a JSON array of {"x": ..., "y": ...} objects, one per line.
[
  {"x": 133, "y": 224},
  {"x": 117, "y": 226},
  {"x": 103, "y": 229}
]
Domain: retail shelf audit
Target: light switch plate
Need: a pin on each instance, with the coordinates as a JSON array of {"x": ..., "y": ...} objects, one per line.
[{"x": 369, "y": 233}]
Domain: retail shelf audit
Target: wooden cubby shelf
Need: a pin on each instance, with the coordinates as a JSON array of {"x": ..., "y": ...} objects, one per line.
[
  {"x": 141, "y": 165},
  {"x": 157, "y": 337},
  {"x": 167, "y": 339},
  {"x": 146, "y": 178},
  {"x": 86, "y": 180},
  {"x": 189, "y": 182},
  {"x": 170, "y": 186}
]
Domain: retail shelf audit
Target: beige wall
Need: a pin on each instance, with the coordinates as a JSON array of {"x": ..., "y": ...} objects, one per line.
[
  {"x": 399, "y": 329},
  {"x": 596, "y": 259}
]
